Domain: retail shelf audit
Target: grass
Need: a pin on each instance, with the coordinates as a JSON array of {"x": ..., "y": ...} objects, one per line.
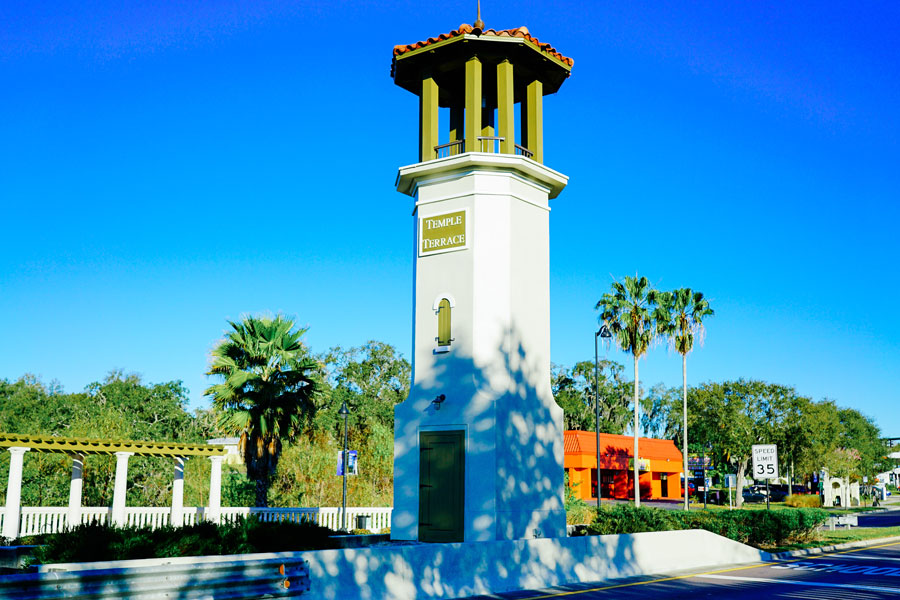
[
  {"x": 762, "y": 506},
  {"x": 838, "y": 536},
  {"x": 746, "y": 506}
]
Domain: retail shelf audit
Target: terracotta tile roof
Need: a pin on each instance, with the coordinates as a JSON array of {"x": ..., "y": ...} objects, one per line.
[
  {"x": 520, "y": 32},
  {"x": 583, "y": 442}
]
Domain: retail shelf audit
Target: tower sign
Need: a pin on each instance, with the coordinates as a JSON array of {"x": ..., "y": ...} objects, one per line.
[
  {"x": 442, "y": 233},
  {"x": 478, "y": 444}
]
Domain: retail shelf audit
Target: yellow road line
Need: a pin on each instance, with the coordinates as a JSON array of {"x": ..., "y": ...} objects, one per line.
[{"x": 729, "y": 570}]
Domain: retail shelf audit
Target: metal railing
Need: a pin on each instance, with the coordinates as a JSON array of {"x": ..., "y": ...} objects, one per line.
[
  {"x": 193, "y": 578},
  {"x": 490, "y": 143},
  {"x": 450, "y": 149},
  {"x": 35, "y": 520},
  {"x": 486, "y": 143}
]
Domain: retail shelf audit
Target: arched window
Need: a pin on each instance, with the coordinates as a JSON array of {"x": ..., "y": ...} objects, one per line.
[{"x": 443, "y": 311}]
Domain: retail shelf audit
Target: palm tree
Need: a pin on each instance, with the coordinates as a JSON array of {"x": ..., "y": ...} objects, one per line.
[
  {"x": 626, "y": 310},
  {"x": 267, "y": 389},
  {"x": 679, "y": 316}
]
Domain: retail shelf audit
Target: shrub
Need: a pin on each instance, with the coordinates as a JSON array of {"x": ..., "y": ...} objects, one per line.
[
  {"x": 804, "y": 501},
  {"x": 580, "y": 515},
  {"x": 578, "y": 512},
  {"x": 95, "y": 542},
  {"x": 756, "y": 527},
  {"x": 625, "y": 518}
]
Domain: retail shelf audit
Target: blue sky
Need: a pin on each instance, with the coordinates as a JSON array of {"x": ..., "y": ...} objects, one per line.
[{"x": 166, "y": 167}]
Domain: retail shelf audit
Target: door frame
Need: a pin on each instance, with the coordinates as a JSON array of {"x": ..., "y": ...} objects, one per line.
[{"x": 425, "y": 534}]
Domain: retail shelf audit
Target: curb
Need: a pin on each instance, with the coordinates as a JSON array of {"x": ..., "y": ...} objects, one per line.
[{"x": 835, "y": 547}]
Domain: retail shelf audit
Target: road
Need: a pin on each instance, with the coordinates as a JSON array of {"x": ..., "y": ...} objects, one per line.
[
  {"x": 859, "y": 574},
  {"x": 889, "y": 518}
]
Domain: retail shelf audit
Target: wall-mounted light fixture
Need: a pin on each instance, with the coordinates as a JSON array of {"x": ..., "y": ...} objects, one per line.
[{"x": 437, "y": 401}]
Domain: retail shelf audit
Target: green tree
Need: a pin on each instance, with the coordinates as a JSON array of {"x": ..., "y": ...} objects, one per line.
[
  {"x": 371, "y": 379},
  {"x": 795, "y": 432},
  {"x": 842, "y": 462},
  {"x": 574, "y": 391},
  {"x": 661, "y": 413},
  {"x": 679, "y": 316},
  {"x": 627, "y": 311},
  {"x": 860, "y": 433},
  {"x": 820, "y": 430},
  {"x": 267, "y": 391},
  {"x": 730, "y": 417},
  {"x": 122, "y": 407}
]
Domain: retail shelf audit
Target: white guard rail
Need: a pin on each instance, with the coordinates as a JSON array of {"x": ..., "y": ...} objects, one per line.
[
  {"x": 53, "y": 519},
  {"x": 192, "y": 579}
]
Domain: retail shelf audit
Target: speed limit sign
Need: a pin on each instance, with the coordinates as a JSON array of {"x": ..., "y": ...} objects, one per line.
[{"x": 765, "y": 461}]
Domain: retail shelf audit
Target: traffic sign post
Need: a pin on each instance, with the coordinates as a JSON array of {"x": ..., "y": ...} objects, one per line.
[
  {"x": 765, "y": 464},
  {"x": 730, "y": 481}
]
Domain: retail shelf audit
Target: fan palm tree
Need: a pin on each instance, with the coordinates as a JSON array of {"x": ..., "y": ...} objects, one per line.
[
  {"x": 626, "y": 311},
  {"x": 679, "y": 317},
  {"x": 267, "y": 389}
]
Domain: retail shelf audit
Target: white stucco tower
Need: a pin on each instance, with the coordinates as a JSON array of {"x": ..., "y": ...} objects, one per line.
[{"x": 478, "y": 444}]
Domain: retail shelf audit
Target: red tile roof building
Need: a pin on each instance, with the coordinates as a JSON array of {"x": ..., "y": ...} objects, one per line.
[
  {"x": 660, "y": 466},
  {"x": 465, "y": 28}
]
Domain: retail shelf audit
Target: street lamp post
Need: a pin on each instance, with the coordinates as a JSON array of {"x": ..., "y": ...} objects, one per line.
[
  {"x": 602, "y": 333},
  {"x": 344, "y": 412}
]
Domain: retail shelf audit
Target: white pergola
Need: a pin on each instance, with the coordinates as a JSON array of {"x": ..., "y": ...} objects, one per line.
[{"x": 79, "y": 448}]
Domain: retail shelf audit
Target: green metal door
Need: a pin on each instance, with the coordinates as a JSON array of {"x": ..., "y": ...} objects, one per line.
[{"x": 442, "y": 469}]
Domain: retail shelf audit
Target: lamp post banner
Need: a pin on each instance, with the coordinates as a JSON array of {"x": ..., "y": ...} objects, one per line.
[{"x": 351, "y": 461}]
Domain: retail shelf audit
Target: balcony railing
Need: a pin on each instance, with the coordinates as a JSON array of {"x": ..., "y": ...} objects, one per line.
[
  {"x": 523, "y": 151},
  {"x": 450, "y": 149},
  {"x": 486, "y": 143},
  {"x": 490, "y": 143}
]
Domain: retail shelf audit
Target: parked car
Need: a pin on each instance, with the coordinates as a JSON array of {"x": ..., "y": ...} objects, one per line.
[
  {"x": 777, "y": 492},
  {"x": 752, "y": 495}
]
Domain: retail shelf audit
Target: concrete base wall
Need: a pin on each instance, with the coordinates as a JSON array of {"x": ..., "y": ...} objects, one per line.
[{"x": 400, "y": 572}]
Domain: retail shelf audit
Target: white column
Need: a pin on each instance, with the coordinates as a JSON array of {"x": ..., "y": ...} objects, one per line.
[
  {"x": 14, "y": 492},
  {"x": 213, "y": 511},
  {"x": 75, "y": 487},
  {"x": 118, "y": 508},
  {"x": 177, "y": 517}
]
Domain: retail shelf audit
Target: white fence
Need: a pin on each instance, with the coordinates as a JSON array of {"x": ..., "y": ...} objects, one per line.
[{"x": 53, "y": 519}]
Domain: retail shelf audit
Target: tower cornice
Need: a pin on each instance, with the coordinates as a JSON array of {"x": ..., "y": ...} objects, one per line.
[{"x": 410, "y": 177}]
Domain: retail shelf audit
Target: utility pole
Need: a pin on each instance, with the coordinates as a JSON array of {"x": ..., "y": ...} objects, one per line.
[{"x": 344, "y": 412}]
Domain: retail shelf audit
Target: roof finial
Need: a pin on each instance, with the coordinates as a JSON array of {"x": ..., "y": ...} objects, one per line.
[{"x": 479, "y": 24}]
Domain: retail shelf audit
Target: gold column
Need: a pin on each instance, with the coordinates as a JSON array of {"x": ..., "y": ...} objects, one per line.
[
  {"x": 473, "y": 103},
  {"x": 533, "y": 120},
  {"x": 428, "y": 119},
  {"x": 506, "y": 114}
]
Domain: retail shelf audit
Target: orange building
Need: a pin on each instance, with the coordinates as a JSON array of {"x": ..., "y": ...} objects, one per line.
[{"x": 659, "y": 465}]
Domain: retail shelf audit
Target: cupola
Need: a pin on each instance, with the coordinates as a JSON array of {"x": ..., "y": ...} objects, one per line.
[{"x": 479, "y": 75}]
